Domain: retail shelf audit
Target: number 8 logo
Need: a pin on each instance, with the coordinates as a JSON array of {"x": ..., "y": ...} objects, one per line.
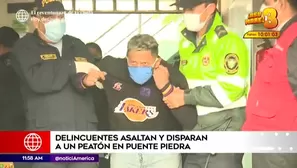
[{"x": 270, "y": 18}]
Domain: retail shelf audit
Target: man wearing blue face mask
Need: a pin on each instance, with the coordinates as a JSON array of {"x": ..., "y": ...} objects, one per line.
[
  {"x": 56, "y": 73},
  {"x": 135, "y": 100}
]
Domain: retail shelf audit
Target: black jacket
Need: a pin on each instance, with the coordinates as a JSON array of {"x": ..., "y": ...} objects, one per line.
[
  {"x": 101, "y": 107},
  {"x": 134, "y": 107},
  {"x": 53, "y": 96},
  {"x": 12, "y": 114}
]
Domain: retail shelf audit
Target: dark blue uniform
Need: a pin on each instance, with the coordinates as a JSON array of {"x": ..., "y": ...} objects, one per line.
[
  {"x": 12, "y": 113},
  {"x": 54, "y": 97}
]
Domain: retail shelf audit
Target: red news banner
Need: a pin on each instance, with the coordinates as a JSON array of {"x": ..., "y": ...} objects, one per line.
[
  {"x": 34, "y": 147},
  {"x": 16, "y": 142}
]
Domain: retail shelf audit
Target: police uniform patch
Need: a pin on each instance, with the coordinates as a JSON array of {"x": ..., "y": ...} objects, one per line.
[
  {"x": 205, "y": 60},
  {"x": 81, "y": 59},
  {"x": 48, "y": 56},
  {"x": 231, "y": 63},
  {"x": 221, "y": 31}
]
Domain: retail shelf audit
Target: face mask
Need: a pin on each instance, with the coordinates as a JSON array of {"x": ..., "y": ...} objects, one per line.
[
  {"x": 141, "y": 75},
  {"x": 193, "y": 21},
  {"x": 55, "y": 30}
]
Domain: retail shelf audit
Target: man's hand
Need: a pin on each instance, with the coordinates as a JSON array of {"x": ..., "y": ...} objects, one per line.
[
  {"x": 92, "y": 77},
  {"x": 84, "y": 67},
  {"x": 161, "y": 76},
  {"x": 175, "y": 99}
]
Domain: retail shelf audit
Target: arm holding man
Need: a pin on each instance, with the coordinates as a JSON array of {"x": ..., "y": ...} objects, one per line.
[
  {"x": 88, "y": 75},
  {"x": 171, "y": 86},
  {"x": 173, "y": 96},
  {"x": 229, "y": 84}
]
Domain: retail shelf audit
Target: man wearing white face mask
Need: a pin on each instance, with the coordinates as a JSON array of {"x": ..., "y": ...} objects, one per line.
[
  {"x": 272, "y": 100},
  {"x": 56, "y": 73},
  {"x": 215, "y": 63}
]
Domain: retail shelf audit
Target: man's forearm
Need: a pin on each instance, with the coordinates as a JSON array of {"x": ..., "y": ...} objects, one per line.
[{"x": 202, "y": 96}]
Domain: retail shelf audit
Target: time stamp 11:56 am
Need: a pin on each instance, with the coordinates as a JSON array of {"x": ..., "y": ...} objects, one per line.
[{"x": 268, "y": 18}]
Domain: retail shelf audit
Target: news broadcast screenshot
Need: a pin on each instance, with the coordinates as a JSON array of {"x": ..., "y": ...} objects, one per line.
[{"x": 148, "y": 84}]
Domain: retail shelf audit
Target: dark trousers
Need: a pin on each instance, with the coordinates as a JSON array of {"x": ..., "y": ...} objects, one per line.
[
  {"x": 203, "y": 160},
  {"x": 22, "y": 165},
  {"x": 101, "y": 107},
  {"x": 274, "y": 160},
  {"x": 83, "y": 126},
  {"x": 104, "y": 163},
  {"x": 228, "y": 120}
]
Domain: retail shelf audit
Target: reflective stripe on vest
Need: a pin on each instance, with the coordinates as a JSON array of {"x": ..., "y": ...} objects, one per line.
[{"x": 219, "y": 93}]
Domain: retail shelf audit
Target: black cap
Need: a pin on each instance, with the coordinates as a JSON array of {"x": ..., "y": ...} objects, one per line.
[
  {"x": 50, "y": 6},
  {"x": 8, "y": 36},
  {"x": 189, "y": 4}
]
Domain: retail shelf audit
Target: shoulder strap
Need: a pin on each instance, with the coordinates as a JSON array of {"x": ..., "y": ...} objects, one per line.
[
  {"x": 288, "y": 36},
  {"x": 221, "y": 31}
]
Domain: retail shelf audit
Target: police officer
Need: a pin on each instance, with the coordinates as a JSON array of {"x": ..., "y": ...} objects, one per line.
[
  {"x": 100, "y": 101},
  {"x": 56, "y": 72},
  {"x": 272, "y": 100},
  {"x": 12, "y": 112},
  {"x": 96, "y": 51},
  {"x": 215, "y": 63}
]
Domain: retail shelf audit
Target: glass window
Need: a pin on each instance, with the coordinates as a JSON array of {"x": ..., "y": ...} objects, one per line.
[
  {"x": 120, "y": 50},
  {"x": 149, "y": 5},
  {"x": 165, "y": 32},
  {"x": 168, "y": 39},
  {"x": 114, "y": 34},
  {"x": 104, "y": 5},
  {"x": 89, "y": 27},
  {"x": 166, "y": 5},
  {"x": 84, "y": 5},
  {"x": 153, "y": 25},
  {"x": 125, "y": 5},
  {"x": 67, "y": 4},
  {"x": 118, "y": 34}
]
